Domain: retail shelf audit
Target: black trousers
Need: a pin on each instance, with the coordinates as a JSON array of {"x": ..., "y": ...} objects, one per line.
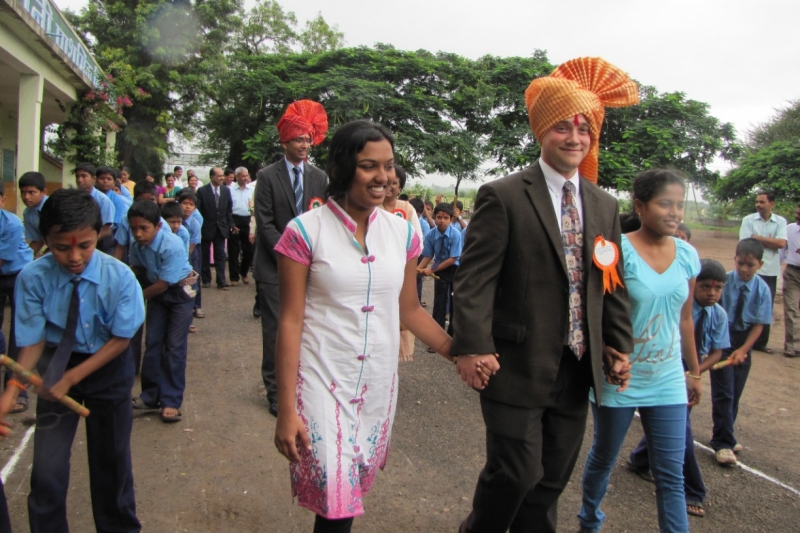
[
  {"x": 269, "y": 303},
  {"x": 530, "y": 455},
  {"x": 106, "y": 393},
  {"x": 443, "y": 297},
  {"x": 219, "y": 259},
  {"x": 240, "y": 244},
  {"x": 763, "y": 339}
]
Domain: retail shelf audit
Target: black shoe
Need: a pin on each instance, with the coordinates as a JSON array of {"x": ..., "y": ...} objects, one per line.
[
  {"x": 643, "y": 473},
  {"x": 207, "y": 285},
  {"x": 256, "y": 311},
  {"x": 273, "y": 408}
]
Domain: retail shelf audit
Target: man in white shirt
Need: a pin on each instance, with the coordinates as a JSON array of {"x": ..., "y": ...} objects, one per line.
[
  {"x": 240, "y": 243},
  {"x": 791, "y": 288},
  {"x": 770, "y": 230}
]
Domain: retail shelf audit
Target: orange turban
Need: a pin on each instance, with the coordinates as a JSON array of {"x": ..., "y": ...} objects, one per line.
[
  {"x": 303, "y": 117},
  {"x": 580, "y": 86}
]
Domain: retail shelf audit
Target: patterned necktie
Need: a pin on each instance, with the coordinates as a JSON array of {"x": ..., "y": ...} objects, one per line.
[
  {"x": 698, "y": 333},
  {"x": 58, "y": 363},
  {"x": 738, "y": 320},
  {"x": 298, "y": 190},
  {"x": 216, "y": 197},
  {"x": 572, "y": 239}
]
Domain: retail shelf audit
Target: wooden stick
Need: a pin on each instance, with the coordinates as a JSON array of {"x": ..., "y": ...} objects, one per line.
[
  {"x": 722, "y": 364},
  {"x": 29, "y": 377}
]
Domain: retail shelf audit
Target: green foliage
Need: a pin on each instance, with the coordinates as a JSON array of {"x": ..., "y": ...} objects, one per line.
[
  {"x": 775, "y": 168},
  {"x": 784, "y": 126}
]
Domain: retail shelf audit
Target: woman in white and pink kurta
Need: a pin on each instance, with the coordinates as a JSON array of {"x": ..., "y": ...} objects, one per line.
[{"x": 343, "y": 269}]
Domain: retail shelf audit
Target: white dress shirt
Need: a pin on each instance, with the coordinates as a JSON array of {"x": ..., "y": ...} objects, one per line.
[{"x": 555, "y": 186}]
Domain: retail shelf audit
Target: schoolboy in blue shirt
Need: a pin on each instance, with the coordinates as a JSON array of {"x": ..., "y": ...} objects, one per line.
[
  {"x": 106, "y": 176},
  {"x": 748, "y": 302},
  {"x": 172, "y": 214},
  {"x": 163, "y": 259},
  {"x": 14, "y": 255},
  {"x": 76, "y": 312},
  {"x": 33, "y": 191},
  {"x": 85, "y": 177},
  {"x": 443, "y": 247},
  {"x": 193, "y": 221},
  {"x": 711, "y": 337}
]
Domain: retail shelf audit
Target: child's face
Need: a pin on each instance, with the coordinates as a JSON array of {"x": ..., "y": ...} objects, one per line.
[
  {"x": 682, "y": 235},
  {"x": 72, "y": 250},
  {"x": 84, "y": 180},
  {"x": 664, "y": 212},
  {"x": 143, "y": 230},
  {"x": 188, "y": 208},
  {"x": 104, "y": 183},
  {"x": 707, "y": 292},
  {"x": 31, "y": 196},
  {"x": 747, "y": 266},
  {"x": 175, "y": 223},
  {"x": 442, "y": 220}
]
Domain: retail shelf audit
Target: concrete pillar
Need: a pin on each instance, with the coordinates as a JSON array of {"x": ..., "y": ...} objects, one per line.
[
  {"x": 29, "y": 129},
  {"x": 111, "y": 143}
]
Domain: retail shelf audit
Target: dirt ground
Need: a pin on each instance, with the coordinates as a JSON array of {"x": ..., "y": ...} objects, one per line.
[{"x": 218, "y": 470}]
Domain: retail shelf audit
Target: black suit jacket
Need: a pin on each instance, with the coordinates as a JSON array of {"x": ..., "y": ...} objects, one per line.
[
  {"x": 511, "y": 290},
  {"x": 215, "y": 217},
  {"x": 274, "y": 203}
]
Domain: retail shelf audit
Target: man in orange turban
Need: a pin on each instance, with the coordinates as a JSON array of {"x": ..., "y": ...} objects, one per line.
[
  {"x": 284, "y": 190},
  {"x": 528, "y": 257}
]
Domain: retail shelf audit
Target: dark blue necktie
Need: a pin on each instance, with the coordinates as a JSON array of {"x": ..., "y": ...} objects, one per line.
[
  {"x": 698, "y": 333},
  {"x": 738, "y": 315},
  {"x": 298, "y": 190},
  {"x": 58, "y": 363}
]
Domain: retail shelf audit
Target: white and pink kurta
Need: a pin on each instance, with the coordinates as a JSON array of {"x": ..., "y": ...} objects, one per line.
[{"x": 347, "y": 378}]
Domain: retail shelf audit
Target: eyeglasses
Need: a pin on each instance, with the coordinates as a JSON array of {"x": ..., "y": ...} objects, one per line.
[{"x": 302, "y": 140}]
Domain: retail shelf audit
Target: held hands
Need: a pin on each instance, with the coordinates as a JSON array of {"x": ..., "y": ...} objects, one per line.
[
  {"x": 289, "y": 432},
  {"x": 617, "y": 368},
  {"x": 476, "y": 370}
]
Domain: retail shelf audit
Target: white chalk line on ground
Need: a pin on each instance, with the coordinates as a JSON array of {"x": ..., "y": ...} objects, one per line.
[
  {"x": 12, "y": 462},
  {"x": 749, "y": 469}
]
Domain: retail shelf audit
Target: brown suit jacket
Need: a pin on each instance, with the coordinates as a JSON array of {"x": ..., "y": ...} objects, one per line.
[{"x": 511, "y": 290}]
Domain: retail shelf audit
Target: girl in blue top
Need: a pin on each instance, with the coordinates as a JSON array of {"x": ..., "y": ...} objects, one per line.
[{"x": 660, "y": 274}]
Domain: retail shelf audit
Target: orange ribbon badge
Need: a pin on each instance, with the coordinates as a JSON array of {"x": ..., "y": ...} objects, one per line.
[
  {"x": 315, "y": 203},
  {"x": 400, "y": 213},
  {"x": 606, "y": 257}
]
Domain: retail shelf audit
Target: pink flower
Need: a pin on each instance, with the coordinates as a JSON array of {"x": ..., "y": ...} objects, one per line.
[
  {"x": 90, "y": 95},
  {"x": 110, "y": 77},
  {"x": 142, "y": 92}
]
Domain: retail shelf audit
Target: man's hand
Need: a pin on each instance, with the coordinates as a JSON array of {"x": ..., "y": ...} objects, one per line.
[
  {"x": 252, "y": 238},
  {"x": 476, "y": 370},
  {"x": 235, "y": 230},
  {"x": 738, "y": 357},
  {"x": 617, "y": 368}
]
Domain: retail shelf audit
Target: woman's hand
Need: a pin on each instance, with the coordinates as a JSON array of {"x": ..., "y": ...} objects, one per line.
[
  {"x": 617, "y": 368},
  {"x": 290, "y": 431},
  {"x": 695, "y": 389},
  {"x": 476, "y": 370}
]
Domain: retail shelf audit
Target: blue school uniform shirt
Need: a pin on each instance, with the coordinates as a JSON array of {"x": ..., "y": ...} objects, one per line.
[
  {"x": 125, "y": 193},
  {"x": 14, "y": 251},
  {"x": 197, "y": 216},
  {"x": 193, "y": 226},
  {"x": 423, "y": 223},
  {"x": 111, "y": 302},
  {"x": 166, "y": 258},
  {"x": 656, "y": 301},
  {"x": 442, "y": 246},
  {"x": 123, "y": 234},
  {"x": 183, "y": 233},
  {"x": 30, "y": 218},
  {"x": 715, "y": 328},
  {"x": 121, "y": 205},
  {"x": 107, "y": 210},
  {"x": 757, "y": 307}
]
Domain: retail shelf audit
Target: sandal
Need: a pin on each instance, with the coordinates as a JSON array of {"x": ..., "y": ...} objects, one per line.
[
  {"x": 192, "y": 329},
  {"x": 138, "y": 403},
  {"x": 198, "y": 313},
  {"x": 695, "y": 509},
  {"x": 168, "y": 419},
  {"x": 767, "y": 350},
  {"x": 20, "y": 406}
]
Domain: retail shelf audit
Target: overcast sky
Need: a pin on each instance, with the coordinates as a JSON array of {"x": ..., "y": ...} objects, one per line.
[{"x": 741, "y": 57}]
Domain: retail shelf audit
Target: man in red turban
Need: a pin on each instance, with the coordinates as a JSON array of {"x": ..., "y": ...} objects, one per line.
[
  {"x": 284, "y": 190},
  {"x": 527, "y": 260}
]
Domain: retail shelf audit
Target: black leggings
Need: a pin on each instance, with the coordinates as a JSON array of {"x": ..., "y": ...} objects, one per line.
[{"x": 325, "y": 525}]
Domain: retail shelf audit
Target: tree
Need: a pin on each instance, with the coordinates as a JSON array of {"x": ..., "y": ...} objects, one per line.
[
  {"x": 319, "y": 37},
  {"x": 169, "y": 49},
  {"x": 770, "y": 161}
]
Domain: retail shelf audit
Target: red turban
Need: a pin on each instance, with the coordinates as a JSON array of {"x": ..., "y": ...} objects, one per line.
[
  {"x": 303, "y": 117},
  {"x": 584, "y": 86}
]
